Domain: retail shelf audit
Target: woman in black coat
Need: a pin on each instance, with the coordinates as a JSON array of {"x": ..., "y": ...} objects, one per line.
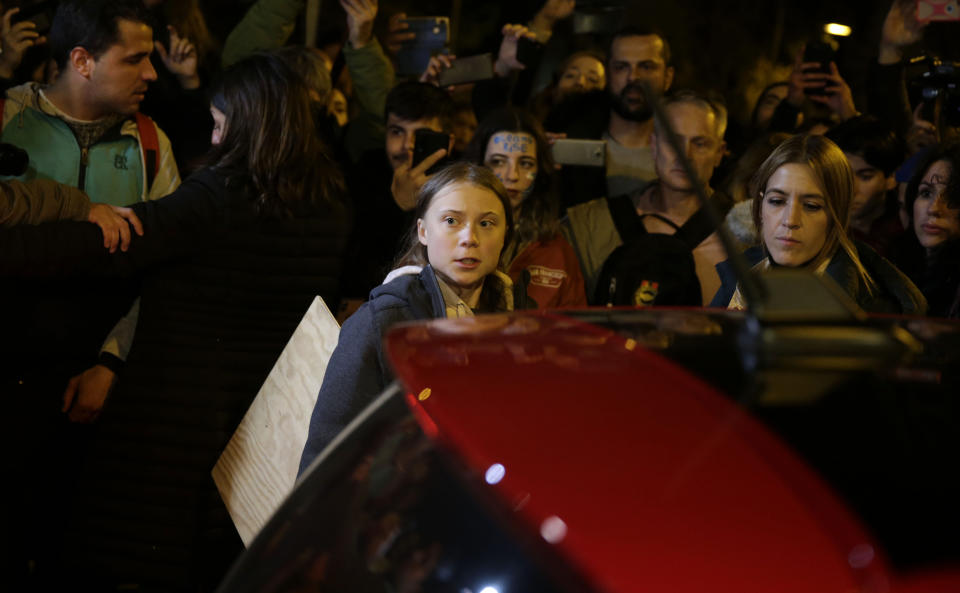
[
  {"x": 929, "y": 252},
  {"x": 228, "y": 264}
]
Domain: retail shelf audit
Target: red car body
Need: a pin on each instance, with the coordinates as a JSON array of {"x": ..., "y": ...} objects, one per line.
[
  {"x": 651, "y": 479},
  {"x": 641, "y": 450}
]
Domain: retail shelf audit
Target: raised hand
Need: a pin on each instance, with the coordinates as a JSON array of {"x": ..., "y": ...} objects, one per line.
[
  {"x": 900, "y": 29},
  {"x": 397, "y": 33},
  {"x": 180, "y": 60},
  {"x": 507, "y": 57},
  {"x": 360, "y": 17},
  {"x": 435, "y": 67},
  {"x": 407, "y": 179},
  {"x": 548, "y": 15},
  {"x": 838, "y": 96},
  {"x": 15, "y": 40}
]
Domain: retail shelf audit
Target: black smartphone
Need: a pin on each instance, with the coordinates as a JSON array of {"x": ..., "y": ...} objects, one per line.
[
  {"x": 427, "y": 142},
  {"x": 529, "y": 52},
  {"x": 822, "y": 53},
  {"x": 464, "y": 70}
]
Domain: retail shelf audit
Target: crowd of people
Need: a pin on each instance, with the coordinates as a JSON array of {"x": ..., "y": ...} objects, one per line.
[{"x": 182, "y": 201}]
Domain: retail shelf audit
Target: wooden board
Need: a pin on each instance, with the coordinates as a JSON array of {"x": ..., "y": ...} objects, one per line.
[{"x": 259, "y": 466}]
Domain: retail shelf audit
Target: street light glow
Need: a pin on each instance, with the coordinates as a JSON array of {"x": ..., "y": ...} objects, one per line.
[{"x": 838, "y": 30}]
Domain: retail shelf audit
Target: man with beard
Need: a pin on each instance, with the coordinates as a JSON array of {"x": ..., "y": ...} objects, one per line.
[
  {"x": 700, "y": 125},
  {"x": 621, "y": 116},
  {"x": 635, "y": 57}
]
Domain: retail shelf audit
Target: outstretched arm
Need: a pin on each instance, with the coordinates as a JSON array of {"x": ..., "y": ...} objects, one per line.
[{"x": 173, "y": 227}]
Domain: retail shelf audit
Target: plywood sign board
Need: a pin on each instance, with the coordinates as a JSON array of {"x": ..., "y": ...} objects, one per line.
[{"x": 258, "y": 468}]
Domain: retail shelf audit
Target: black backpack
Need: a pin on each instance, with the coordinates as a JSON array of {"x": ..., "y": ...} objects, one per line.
[{"x": 653, "y": 268}]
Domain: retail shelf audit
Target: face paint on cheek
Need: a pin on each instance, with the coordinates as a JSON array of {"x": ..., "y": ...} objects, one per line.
[{"x": 532, "y": 177}]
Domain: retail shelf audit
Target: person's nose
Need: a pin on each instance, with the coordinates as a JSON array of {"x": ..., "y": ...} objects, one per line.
[
  {"x": 513, "y": 171},
  {"x": 792, "y": 215},
  {"x": 149, "y": 73},
  {"x": 468, "y": 235},
  {"x": 938, "y": 205},
  {"x": 408, "y": 141}
]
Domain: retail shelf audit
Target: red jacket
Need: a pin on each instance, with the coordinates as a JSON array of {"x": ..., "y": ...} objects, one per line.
[{"x": 555, "y": 277}]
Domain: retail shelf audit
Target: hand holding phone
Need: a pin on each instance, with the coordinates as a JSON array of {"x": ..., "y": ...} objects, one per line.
[
  {"x": 425, "y": 144},
  {"x": 21, "y": 31},
  {"x": 429, "y": 154},
  {"x": 817, "y": 57},
  {"x": 398, "y": 33},
  {"x": 464, "y": 70},
  {"x": 435, "y": 67},
  {"x": 835, "y": 94},
  {"x": 508, "y": 58}
]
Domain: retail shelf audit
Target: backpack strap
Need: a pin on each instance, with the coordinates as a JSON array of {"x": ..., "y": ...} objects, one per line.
[
  {"x": 698, "y": 227},
  {"x": 3, "y": 106},
  {"x": 625, "y": 218},
  {"x": 149, "y": 147},
  {"x": 663, "y": 219}
]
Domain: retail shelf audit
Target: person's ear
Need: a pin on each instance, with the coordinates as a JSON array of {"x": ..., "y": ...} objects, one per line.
[
  {"x": 82, "y": 62},
  {"x": 891, "y": 182},
  {"x": 421, "y": 232},
  {"x": 721, "y": 151},
  {"x": 667, "y": 78}
]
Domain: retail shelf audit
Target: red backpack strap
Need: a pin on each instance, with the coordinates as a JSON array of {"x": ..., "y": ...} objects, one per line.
[
  {"x": 3, "y": 105},
  {"x": 149, "y": 146}
]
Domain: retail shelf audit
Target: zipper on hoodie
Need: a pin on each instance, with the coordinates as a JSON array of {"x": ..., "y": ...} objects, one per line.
[{"x": 84, "y": 161}]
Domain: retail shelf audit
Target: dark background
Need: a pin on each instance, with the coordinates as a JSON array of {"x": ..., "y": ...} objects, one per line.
[{"x": 735, "y": 47}]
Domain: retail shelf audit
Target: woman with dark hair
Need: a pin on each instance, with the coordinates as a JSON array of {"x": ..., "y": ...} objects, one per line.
[
  {"x": 512, "y": 144},
  {"x": 929, "y": 252},
  {"x": 448, "y": 269},
  {"x": 801, "y": 208},
  {"x": 580, "y": 72},
  {"x": 228, "y": 265}
]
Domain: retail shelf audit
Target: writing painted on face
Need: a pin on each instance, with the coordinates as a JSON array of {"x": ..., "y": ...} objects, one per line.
[{"x": 511, "y": 143}]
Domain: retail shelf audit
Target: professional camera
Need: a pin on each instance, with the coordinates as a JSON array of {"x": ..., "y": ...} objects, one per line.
[
  {"x": 936, "y": 84},
  {"x": 13, "y": 160}
]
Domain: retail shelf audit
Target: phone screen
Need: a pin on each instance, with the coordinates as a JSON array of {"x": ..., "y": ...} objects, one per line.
[{"x": 938, "y": 10}]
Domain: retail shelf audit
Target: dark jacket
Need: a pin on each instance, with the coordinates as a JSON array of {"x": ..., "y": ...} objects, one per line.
[
  {"x": 222, "y": 292},
  {"x": 893, "y": 293},
  {"x": 358, "y": 370},
  {"x": 938, "y": 275}
]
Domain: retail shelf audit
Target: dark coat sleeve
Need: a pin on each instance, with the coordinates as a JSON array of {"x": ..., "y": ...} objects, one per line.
[
  {"x": 173, "y": 227},
  {"x": 355, "y": 375}
]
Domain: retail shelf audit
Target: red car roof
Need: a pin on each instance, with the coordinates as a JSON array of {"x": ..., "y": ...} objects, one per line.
[{"x": 636, "y": 472}]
